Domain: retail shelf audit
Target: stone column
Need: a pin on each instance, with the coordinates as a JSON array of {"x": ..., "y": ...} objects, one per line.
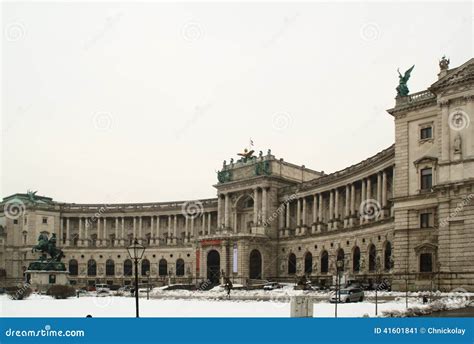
[
  {"x": 81, "y": 235},
  {"x": 203, "y": 224},
  {"x": 304, "y": 211},
  {"x": 336, "y": 209},
  {"x": 331, "y": 209},
  {"x": 104, "y": 232},
  {"x": 175, "y": 229},
  {"x": 152, "y": 228},
  {"x": 140, "y": 229},
  {"x": 99, "y": 237},
  {"x": 346, "y": 207},
  {"x": 226, "y": 211},
  {"x": 281, "y": 217},
  {"x": 369, "y": 189},
  {"x": 352, "y": 211},
  {"x": 298, "y": 213},
  {"x": 320, "y": 211},
  {"x": 158, "y": 229},
  {"x": 68, "y": 234},
  {"x": 362, "y": 199},
  {"x": 219, "y": 211},
  {"x": 287, "y": 208},
  {"x": 379, "y": 188},
  {"x": 315, "y": 212},
  {"x": 186, "y": 220},
  {"x": 86, "y": 229},
  {"x": 134, "y": 228},
  {"x": 255, "y": 206},
  {"x": 192, "y": 228},
  {"x": 122, "y": 236},
  {"x": 169, "y": 230},
  {"x": 384, "y": 192},
  {"x": 209, "y": 218},
  {"x": 264, "y": 204},
  {"x": 116, "y": 232}
]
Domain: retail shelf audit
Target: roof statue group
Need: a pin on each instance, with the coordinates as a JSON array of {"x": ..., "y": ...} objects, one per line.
[{"x": 402, "y": 88}]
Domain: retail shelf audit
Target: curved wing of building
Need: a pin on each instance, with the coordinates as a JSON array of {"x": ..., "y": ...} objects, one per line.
[{"x": 404, "y": 215}]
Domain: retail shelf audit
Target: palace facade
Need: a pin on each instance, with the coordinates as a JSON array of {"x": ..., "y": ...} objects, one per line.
[{"x": 405, "y": 214}]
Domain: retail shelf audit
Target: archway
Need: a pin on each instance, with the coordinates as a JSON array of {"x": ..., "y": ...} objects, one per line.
[
  {"x": 255, "y": 266},
  {"x": 213, "y": 266},
  {"x": 308, "y": 263},
  {"x": 291, "y": 264}
]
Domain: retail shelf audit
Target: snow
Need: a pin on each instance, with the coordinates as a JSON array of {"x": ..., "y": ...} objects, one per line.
[{"x": 278, "y": 306}]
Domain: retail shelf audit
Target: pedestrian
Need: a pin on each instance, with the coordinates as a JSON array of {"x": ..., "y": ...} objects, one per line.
[{"x": 228, "y": 286}]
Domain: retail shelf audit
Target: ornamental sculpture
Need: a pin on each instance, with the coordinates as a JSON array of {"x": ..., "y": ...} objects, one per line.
[
  {"x": 444, "y": 63},
  {"x": 402, "y": 88},
  {"x": 47, "y": 247}
]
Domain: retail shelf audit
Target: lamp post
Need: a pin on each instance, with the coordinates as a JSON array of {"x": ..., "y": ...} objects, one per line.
[
  {"x": 377, "y": 284},
  {"x": 148, "y": 285},
  {"x": 136, "y": 251},
  {"x": 339, "y": 267}
]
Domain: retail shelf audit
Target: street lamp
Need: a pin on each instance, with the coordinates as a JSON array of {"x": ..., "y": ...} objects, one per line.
[
  {"x": 148, "y": 284},
  {"x": 136, "y": 251},
  {"x": 339, "y": 267},
  {"x": 377, "y": 284}
]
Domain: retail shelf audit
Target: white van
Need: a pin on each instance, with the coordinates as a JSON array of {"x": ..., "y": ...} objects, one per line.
[{"x": 102, "y": 288}]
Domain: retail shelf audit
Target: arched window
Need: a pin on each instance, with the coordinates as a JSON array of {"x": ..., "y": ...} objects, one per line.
[
  {"x": 255, "y": 265},
  {"x": 180, "y": 267},
  {"x": 109, "y": 267},
  {"x": 356, "y": 259},
  {"x": 73, "y": 267},
  {"x": 372, "y": 258},
  {"x": 340, "y": 258},
  {"x": 291, "y": 264},
  {"x": 163, "y": 267},
  {"x": 426, "y": 262},
  {"x": 127, "y": 268},
  {"x": 91, "y": 268},
  {"x": 388, "y": 256},
  {"x": 308, "y": 263},
  {"x": 145, "y": 266},
  {"x": 324, "y": 262}
]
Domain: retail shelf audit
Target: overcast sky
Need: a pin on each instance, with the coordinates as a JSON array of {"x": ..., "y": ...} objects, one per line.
[{"x": 142, "y": 102}]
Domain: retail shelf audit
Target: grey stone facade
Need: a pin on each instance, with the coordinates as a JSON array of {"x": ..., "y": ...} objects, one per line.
[{"x": 405, "y": 214}]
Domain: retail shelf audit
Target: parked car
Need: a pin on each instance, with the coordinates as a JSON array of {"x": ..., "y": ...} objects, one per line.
[
  {"x": 102, "y": 288},
  {"x": 347, "y": 295},
  {"x": 272, "y": 286}
]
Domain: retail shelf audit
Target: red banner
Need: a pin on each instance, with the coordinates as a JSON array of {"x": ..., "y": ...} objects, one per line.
[{"x": 198, "y": 262}]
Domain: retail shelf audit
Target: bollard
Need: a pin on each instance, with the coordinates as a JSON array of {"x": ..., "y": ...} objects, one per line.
[{"x": 301, "y": 307}]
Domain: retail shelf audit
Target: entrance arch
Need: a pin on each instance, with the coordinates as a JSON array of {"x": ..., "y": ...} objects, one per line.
[
  {"x": 213, "y": 266},
  {"x": 255, "y": 265}
]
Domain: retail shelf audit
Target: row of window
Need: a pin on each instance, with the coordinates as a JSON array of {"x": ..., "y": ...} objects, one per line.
[
  {"x": 127, "y": 267},
  {"x": 356, "y": 260}
]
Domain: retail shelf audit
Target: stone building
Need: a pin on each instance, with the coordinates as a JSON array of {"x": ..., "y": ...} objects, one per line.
[{"x": 404, "y": 215}]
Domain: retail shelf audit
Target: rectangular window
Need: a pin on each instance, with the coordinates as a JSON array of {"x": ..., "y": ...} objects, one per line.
[
  {"x": 425, "y": 220},
  {"x": 15, "y": 221},
  {"x": 45, "y": 220},
  {"x": 426, "y": 262},
  {"x": 426, "y": 133},
  {"x": 426, "y": 178}
]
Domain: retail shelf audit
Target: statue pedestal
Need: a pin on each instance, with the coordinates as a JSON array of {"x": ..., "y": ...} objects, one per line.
[{"x": 41, "y": 280}]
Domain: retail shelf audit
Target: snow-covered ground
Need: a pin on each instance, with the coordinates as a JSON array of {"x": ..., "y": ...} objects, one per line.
[{"x": 120, "y": 306}]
